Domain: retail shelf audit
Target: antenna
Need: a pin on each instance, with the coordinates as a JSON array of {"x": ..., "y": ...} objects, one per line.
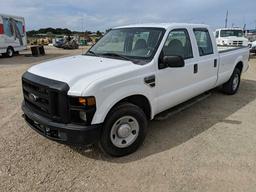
[
  {"x": 226, "y": 20},
  {"x": 83, "y": 31}
]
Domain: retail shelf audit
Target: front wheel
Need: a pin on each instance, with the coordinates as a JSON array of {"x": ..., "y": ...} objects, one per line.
[
  {"x": 232, "y": 86},
  {"x": 124, "y": 130}
]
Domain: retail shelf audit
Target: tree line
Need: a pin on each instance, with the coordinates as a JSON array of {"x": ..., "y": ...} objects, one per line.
[{"x": 58, "y": 31}]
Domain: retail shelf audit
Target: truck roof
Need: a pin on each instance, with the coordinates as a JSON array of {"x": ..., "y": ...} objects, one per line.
[
  {"x": 164, "y": 25},
  {"x": 234, "y": 28}
]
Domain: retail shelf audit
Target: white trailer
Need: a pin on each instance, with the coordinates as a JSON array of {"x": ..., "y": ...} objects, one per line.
[{"x": 13, "y": 36}]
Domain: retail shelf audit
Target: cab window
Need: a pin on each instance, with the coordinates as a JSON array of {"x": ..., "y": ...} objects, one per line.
[
  {"x": 178, "y": 44},
  {"x": 204, "y": 42}
]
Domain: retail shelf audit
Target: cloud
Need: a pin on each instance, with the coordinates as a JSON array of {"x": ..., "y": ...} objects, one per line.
[{"x": 99, "y": 14}]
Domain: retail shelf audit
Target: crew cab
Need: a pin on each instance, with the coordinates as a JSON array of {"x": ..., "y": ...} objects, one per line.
[
  {"x": 231, "y": 37},
  {"x": 108, "y": 95}
]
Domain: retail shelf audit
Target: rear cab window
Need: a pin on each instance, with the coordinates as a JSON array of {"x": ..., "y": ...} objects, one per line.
[{"x": 204, "y": 41}]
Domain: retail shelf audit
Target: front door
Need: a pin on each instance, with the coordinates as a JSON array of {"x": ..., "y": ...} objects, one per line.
[{"x": 173, "y": 85}]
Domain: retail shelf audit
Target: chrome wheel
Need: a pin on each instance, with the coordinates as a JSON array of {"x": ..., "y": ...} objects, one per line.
[
  {"x": 124, "y": 131},
  {"x": 235, "y": 82}
]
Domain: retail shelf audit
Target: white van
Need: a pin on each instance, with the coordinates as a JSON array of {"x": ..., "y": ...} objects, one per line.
[{"x": 13, "y": 36}]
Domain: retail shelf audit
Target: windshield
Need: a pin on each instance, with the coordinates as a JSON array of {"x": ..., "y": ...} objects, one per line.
[
  {"x": 227, "y": 33},
  {"x": 132, "y": 43}
]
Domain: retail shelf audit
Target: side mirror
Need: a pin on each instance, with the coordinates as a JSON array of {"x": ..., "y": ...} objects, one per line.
[{"x": 173, "y": 61}]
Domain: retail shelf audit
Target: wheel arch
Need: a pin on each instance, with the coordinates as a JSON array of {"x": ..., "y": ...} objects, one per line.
[
  {"x": 240, "y": 66},
  {"x": 139, "y": 100}
]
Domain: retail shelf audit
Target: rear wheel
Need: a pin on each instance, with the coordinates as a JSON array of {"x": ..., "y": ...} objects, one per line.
[
  {"x": 124, "y": 130},
  {"x": 9, "y": 52},
  {"x": 232, "y": 86}
]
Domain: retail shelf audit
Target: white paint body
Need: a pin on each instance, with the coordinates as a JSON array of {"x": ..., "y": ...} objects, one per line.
[
  {"x": 230, "y": 40},
  {"x": 111, "y": 80},
  {"x": 10, "y": 41},
  {"x": 253, "y": 46}
]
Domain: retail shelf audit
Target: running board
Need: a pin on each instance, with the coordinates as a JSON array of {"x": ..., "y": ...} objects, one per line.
[{"x": 181, "y": 107}]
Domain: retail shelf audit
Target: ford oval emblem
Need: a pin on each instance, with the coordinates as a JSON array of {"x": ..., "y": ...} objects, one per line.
[{"x": 33, "y": 97}]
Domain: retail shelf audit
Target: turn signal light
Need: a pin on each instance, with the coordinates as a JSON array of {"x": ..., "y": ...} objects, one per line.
[
  {"x": 82, "y": 101},
  {"x": 87, "y": 101}
]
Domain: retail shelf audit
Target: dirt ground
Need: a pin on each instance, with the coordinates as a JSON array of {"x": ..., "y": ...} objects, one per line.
[{"x": 207, "y": 147}]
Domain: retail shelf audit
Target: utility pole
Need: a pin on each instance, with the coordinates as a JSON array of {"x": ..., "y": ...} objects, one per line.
[{"x": 226, "y": 20}]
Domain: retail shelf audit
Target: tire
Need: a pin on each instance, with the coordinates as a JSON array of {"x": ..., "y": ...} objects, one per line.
[
  {"x": 231, "y": 87},
  {"x": 9, "y": 52},
  {"x": 124, "y": 130}
]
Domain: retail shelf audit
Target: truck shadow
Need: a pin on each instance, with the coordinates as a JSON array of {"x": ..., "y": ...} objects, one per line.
[{"x": 184, "y": 126}]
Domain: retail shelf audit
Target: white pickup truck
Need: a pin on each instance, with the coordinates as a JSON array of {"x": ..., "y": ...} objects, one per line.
[{"x": 108, "y": 95}]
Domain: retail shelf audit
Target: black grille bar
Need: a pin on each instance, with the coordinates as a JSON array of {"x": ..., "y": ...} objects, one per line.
[{"x": 46, "y": 97}]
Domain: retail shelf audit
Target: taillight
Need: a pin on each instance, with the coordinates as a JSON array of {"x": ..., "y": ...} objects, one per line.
[
  {"x": 1, "y": 28},
  {"x": 23, "y": 28}
]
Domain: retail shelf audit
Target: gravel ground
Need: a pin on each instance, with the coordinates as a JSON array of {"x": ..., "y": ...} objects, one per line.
[{"x": 207, "y": 147}]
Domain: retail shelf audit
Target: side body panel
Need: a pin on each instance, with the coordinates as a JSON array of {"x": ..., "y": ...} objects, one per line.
[{"x": 229, "y": 60}]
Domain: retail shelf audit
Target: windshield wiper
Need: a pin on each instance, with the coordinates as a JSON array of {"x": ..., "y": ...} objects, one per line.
[
  {"x": 117, "y": 55},
  {"x": 95, "y": 54}
]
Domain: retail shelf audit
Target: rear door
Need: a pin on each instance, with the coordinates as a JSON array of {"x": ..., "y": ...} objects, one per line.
[{"x": 206, "y": 63}]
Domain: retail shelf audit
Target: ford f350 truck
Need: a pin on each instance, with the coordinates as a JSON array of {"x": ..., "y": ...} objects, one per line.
[{"x": 108, "y": 95}]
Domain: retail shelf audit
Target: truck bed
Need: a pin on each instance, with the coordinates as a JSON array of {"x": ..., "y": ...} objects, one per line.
[{"x": 223, "y": 49}]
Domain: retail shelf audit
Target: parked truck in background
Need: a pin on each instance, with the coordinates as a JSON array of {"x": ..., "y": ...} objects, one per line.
[
  {"x": 13, "y": 36},
  {"x": 108, "y": 95},
  {"x": 252, "y": 46},
  {"x": 231, "y": 37}
]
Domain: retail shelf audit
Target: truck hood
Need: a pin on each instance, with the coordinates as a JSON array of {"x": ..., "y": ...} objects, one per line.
[{"x": 89, "y": 68}]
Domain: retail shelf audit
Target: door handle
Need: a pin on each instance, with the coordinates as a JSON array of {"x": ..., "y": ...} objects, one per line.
[
  {"x": 215, "y": 63},
  {"x": 195, "y": 68},
  {"x": 150, "y": 80}
]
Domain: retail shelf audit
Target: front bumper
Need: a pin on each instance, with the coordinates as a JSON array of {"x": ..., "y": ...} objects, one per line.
[{"x": 63, "y": 133}]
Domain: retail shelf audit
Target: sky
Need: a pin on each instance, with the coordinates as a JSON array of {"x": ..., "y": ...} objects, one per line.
[{"x": 100, "y": 15}]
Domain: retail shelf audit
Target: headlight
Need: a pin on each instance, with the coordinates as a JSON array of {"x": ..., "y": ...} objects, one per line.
[
  {"x": 83, "y": 102},
  {"x": 224, "y": 43},
  {"x": 82, "y": 109}
]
